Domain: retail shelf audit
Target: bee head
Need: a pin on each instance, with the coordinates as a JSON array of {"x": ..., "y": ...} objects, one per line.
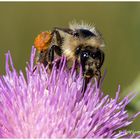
[{"x": 91, "y": 59}]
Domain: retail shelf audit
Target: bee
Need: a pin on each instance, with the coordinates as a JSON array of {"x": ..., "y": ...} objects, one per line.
[{"x": 80, "y": 42}]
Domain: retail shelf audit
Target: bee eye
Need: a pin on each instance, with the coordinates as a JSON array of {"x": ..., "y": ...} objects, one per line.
[{"x": 85, "y": 54}]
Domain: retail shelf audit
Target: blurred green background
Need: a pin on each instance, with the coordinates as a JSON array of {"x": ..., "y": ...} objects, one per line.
[{"x": 20, "y": 22}]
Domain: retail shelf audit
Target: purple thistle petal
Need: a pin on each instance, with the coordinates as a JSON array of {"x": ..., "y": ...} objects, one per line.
[{"x": 43, "y": 105}]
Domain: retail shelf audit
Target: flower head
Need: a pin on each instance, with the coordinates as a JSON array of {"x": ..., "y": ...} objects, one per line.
[{"x": 43, "y": 105}]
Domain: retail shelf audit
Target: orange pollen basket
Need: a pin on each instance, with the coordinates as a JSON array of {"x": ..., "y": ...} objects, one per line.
[{"x": 43, "y": 40}]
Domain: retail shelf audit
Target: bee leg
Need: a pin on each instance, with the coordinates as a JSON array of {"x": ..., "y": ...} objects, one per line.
[
  {"x": 57, "y": 41},
  {"x": 51, "y": 56},
  {"x": 52, "y": 50},
  {"x": 85, "y": 83},
  {"x": 42, "y": 58},
  {"x": 98, "y": 74},
  {"x": 85, "y": 80}
]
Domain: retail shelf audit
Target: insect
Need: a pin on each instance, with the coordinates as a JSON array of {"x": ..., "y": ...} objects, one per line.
[{"x": 80, "y": 42}]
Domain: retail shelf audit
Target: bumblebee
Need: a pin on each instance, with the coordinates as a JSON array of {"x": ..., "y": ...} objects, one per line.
[{"x": 80, "y": 42}]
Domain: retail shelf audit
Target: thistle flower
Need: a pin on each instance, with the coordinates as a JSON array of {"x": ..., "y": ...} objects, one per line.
[{"x": 43, "y": 105}]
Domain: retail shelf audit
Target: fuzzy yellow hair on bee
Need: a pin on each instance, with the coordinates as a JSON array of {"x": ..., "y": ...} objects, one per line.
[{"x": 86, "y": 26}]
